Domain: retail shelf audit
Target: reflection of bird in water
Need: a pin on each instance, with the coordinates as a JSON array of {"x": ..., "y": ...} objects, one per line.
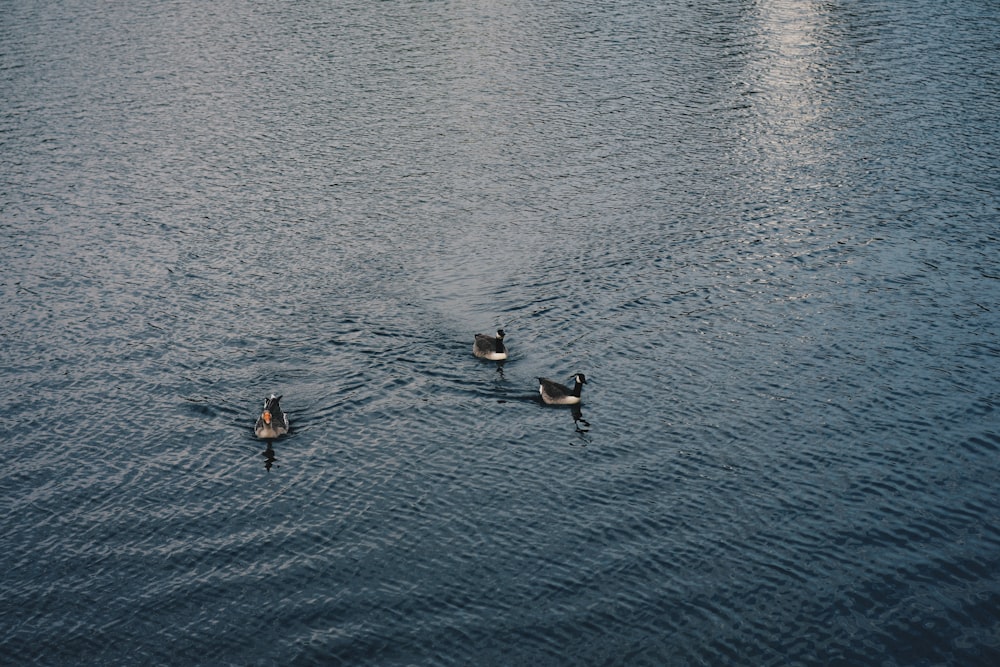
[
  {"x": 269, "y": 457},
  {"x": 582, "y": 425},
  {"x": 272, "y": 421},
  {"x": 488, "y": 347},
  {"x": 554, "y": 393}
]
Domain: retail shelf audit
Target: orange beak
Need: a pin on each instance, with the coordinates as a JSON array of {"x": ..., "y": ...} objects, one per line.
[{"x": 267, "y": 416}]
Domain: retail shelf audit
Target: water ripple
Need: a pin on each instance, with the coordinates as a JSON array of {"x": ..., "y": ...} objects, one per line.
[{"x": 765, "y": 232}]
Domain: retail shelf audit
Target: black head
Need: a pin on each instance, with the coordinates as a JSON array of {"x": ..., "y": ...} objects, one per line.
[
  {"x": 579, "y": 377},
  {"x": 500, "y": 333}
]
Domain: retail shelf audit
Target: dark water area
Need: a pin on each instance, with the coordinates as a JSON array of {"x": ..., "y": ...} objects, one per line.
[{"x": 767, "y": 231}]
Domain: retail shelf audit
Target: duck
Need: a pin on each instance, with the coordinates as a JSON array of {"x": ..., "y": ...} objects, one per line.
[
  {"x": 488, "y": 347},
  {"x": 554, "y": 393},
  {"x": 272, "y": 421}
]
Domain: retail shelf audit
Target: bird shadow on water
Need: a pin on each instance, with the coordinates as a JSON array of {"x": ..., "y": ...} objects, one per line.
[
  {"x": 269, "y": 456},
  {"x": 581, "y": 426}
]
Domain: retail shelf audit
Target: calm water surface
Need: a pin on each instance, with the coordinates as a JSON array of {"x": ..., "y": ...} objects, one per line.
[{"x": 768, "y": 232}]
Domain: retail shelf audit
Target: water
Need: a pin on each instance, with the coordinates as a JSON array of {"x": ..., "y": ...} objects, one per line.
[{"x": 766, "y": 231}]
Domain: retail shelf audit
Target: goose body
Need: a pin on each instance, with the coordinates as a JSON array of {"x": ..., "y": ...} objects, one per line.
[
  {"x": 272, "y": 421},
  {"x": 488, "y": 347},
  {"x": 554, "y": 393}
]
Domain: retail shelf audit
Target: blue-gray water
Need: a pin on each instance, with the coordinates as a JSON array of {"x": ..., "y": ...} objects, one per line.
[{"x": 768, "y": 232}]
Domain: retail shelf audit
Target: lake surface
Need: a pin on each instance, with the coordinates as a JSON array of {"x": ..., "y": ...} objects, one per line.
[{"x": 767, "y": 231}]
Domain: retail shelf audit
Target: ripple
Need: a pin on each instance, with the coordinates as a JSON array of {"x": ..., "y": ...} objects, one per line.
[{"x": 766, "y": 236}]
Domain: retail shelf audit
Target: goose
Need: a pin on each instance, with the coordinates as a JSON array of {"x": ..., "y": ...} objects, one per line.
[
  {"x": 554, "y": 393},
  {"x": 272, "y": 421},
  {"x": 488, "y": 347}
]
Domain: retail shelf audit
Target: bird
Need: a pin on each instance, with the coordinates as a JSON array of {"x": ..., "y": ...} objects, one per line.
[
  {"x": 488, "y": 347},
  {"x": 554, "y": 393},
  {"x": 272, "y": 421}
]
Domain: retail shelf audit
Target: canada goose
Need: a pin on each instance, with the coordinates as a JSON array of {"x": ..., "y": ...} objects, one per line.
[
  {"x": 488, "y": 347},
  {"x": 554, "y": 393}
]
